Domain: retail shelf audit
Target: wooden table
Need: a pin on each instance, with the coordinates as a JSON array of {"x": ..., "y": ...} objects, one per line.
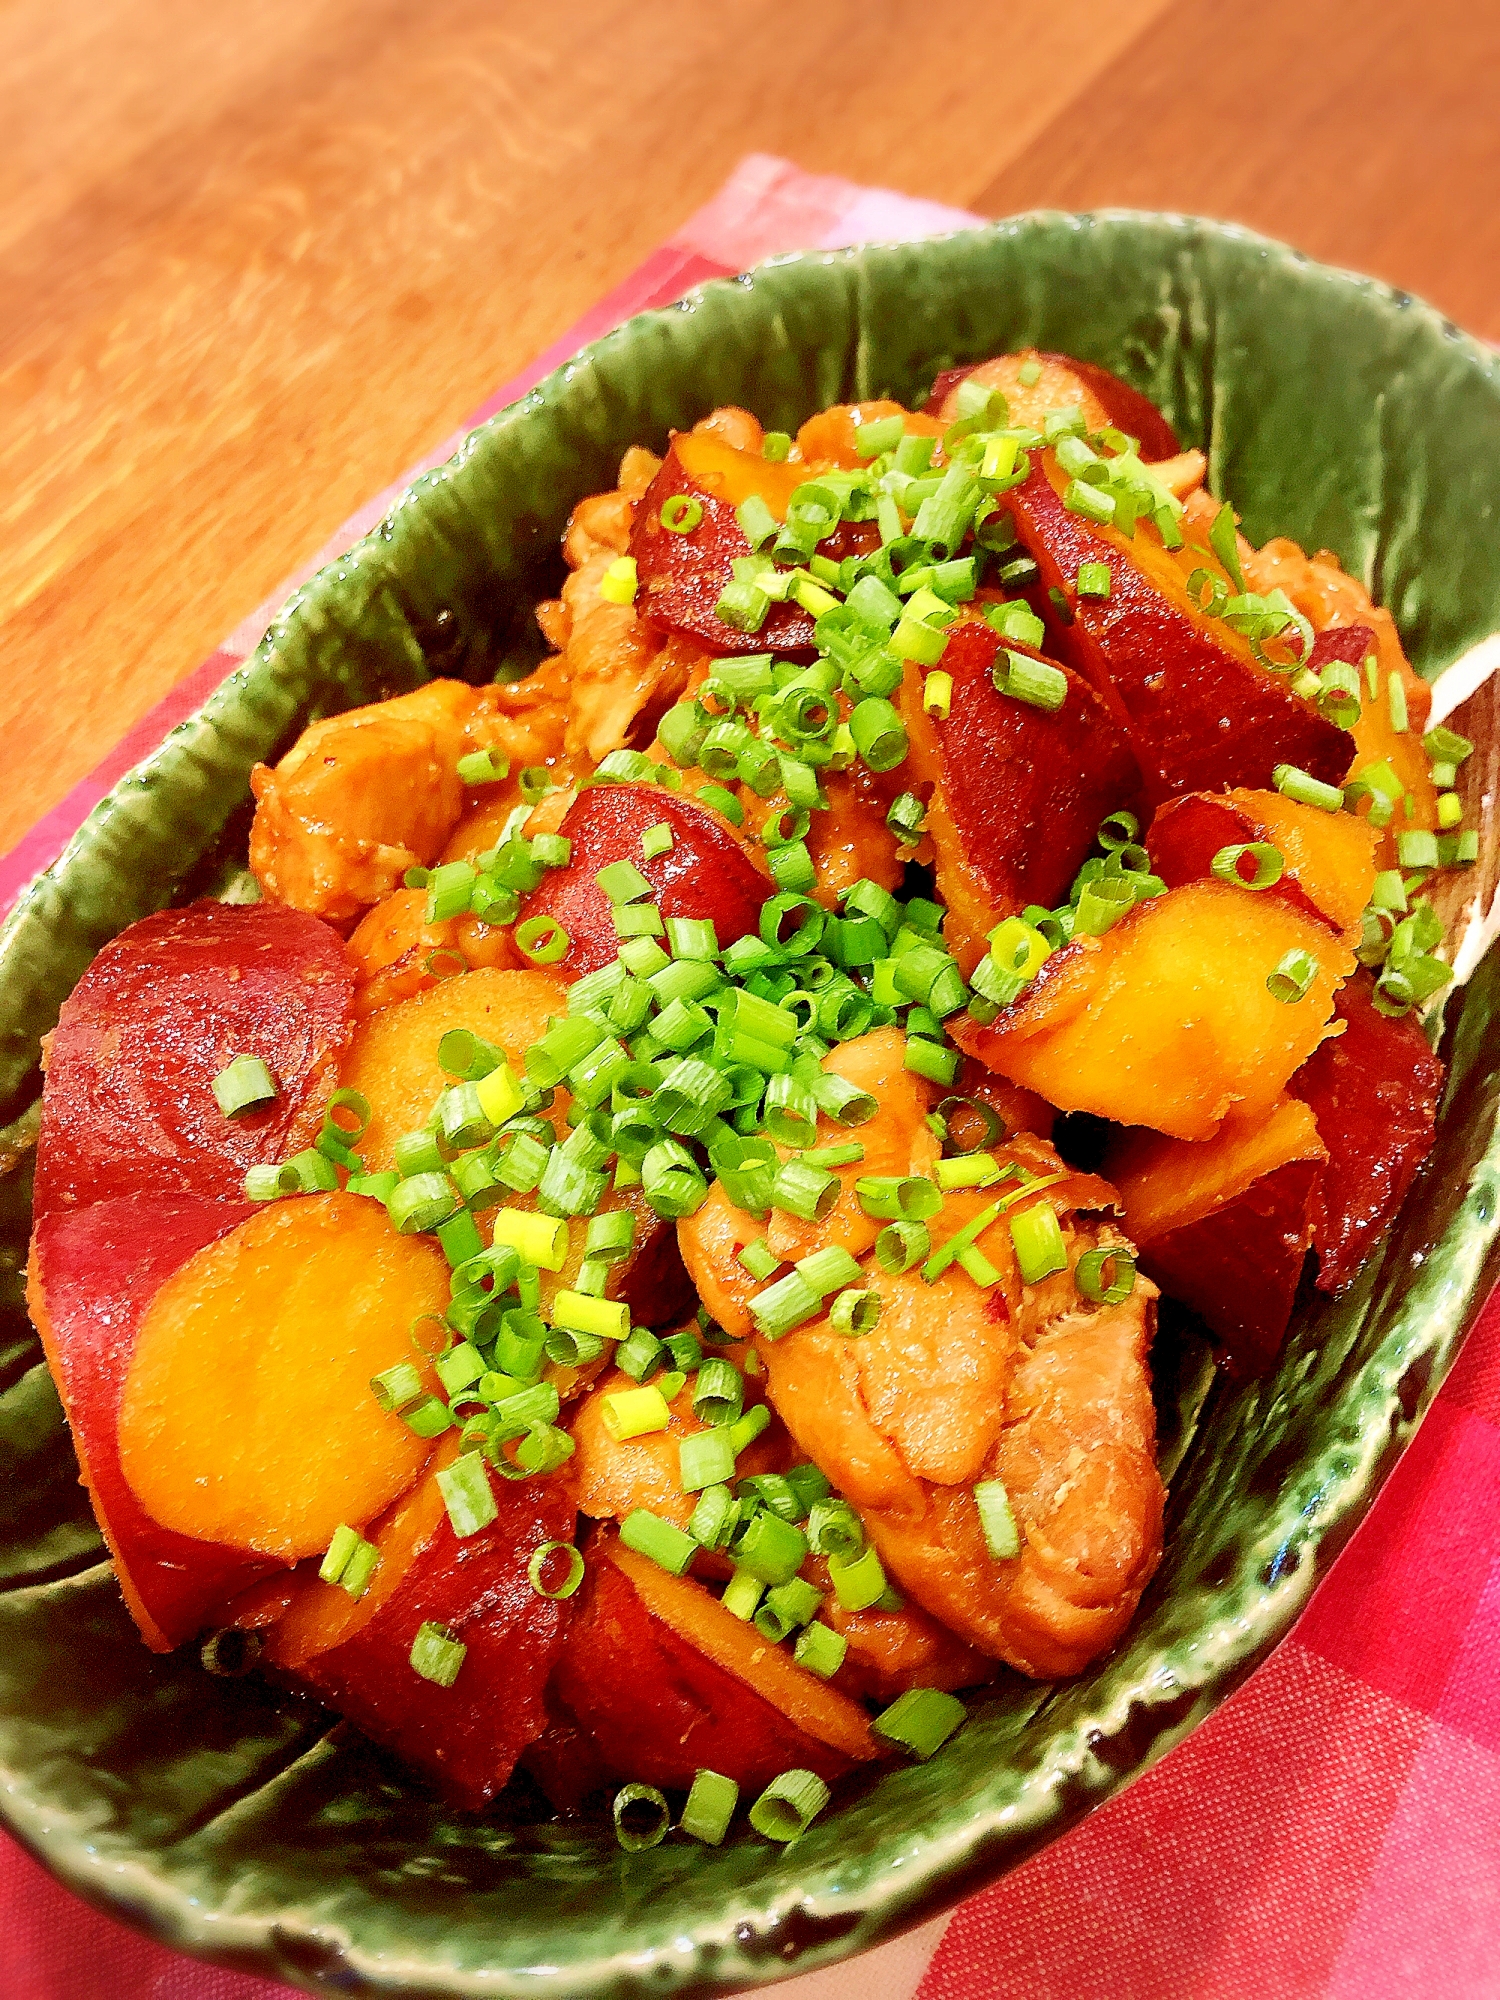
[{"x": 255, "y": 258}]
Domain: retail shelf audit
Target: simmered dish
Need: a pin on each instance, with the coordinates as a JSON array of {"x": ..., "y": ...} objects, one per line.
[{"x": 637, "y": 1258}]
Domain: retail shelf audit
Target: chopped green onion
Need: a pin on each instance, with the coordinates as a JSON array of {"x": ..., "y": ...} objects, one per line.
[
  {"x": 1266, "y": 863},
  {"x": 858, "y": 1580},
  {"x": 772, "y": 1550},
  {"x": 743, "y": 606},
  {"x": 758, "y": 524},
  {"x": 905, "y": 1197},
  {"x": 789, "y": 1804},
  {"x": 786, "y": 1304},
  {"x": 1106, "y": 1290},
  {"x": 541, "y": 939},
  {"x": 642, "y": 1817},
  {"x": 775, "y": 445},
  {"x": 1445, "y": 745},
  {"x": 920, "y": 1721},
  {"x": 622, "y": 882},
  {"x": 742, "y": 1594},
  {"x": 541, "y": 1560},
  {"x": 834, "y": 1528},
  {"x": 421, "y": 1203},
  {"x": 714, "y": 1518},
  {"x": 855, "y": 1311},
  {"x": 1034, "y": 682},
  {"x": 820, "y": 1650},
  {"x": 467, "y": 1495},
  {"x": 997, "y": 1519},
  {"x": 879, "y": 734},
  {"x": 428, "y": 1417},
  {"x": 786, "y": 1608},
  {"x": 632, "y": 1413},
  {"x": 878, "y": 434},
  {"x": 901, "y": 1245},
  {"x": 641, "y": 1355},
  {"x": 605, "y": 1319},
  {"x": 805, "y": 1191},
  {"x": 670, "y": 1177},
  {"x": 1093, "y": 579},
  {"x": 668, "y": 1546},
  {"x": 1038, "y": 1241},
  {"x": 245, "y": 1084},
  {"x": 747, "y": 1428},
  {"x": 709, "y": 1807},
  {"x": 967, "y": 1170},
  {"x": 541, "y": 1240},
  {"x": 436, "y": 1654},
  {"x": 718, "y": 1392},
  {"x": 1305, "y": 789},
  {"x": 704, "y": 1459},
  {"x": 930, "y": 1059},
  {"x": 1417, "y": 849},
  {"x": 1292, "y": 977},
  {"x": 681, "y": 514},
  {"x": 350, "y": 1562},
  {"x": 619, "y": 582},
  {"x": 757, "y": 1259}
]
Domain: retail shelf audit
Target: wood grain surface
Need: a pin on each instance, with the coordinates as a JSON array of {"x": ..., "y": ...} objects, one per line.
[{"x": 255, "y": 258}]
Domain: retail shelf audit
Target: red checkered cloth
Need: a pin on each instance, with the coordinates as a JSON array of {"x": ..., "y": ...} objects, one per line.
[{"x": 1333, "y": 1833}]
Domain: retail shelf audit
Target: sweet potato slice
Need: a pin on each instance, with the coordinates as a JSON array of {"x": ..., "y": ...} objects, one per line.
[
  {"x": 129, "y": 1108},
  {"x": 246, "y": 1416},
  {"x": 1201, "y": 712},
  {"x": 1166, "y": 1020},
  {"x": 1350, "y": 628},
  {"x": 397, "y": 953},
  {"x": 1374, "y": 1092},
  {"x": 1377, "y": 740},
  {"x": 1062, "y": 382},
  {"x": 667, "y": 1681},
  {"x": 93, "y": 1274},
  {"x": 393, "y": 1058},
  {"x": 830, "y": 437},
  {"x": 1014, "y": 793},
  {"x": 683, "y": 576},
  {"x": 356, "y": 1655},
  {"x": 1329, "y": 858},
  {"x": 705, "y": 872},
  {"x": 1225, "y": 1226}
]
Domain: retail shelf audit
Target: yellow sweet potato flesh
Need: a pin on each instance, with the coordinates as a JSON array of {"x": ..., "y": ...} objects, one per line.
[
  {"x": 247, "y": 1417},
  {"x": 1331, "y": 856},
  {"x": 393, "y": 1056},
  {"x": 1166, "y": 1020},
  {"x": 1166, "y": 1184},
  {"x": 697, "y": 1616},
  {"x": 323, "y": 1615}
]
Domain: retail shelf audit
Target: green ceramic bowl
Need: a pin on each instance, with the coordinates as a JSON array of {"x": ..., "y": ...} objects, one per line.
[{"x": 233, "y": 1821}]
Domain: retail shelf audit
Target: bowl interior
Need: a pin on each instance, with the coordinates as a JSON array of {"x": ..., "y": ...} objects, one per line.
[{"x": 232, "y": 1820}]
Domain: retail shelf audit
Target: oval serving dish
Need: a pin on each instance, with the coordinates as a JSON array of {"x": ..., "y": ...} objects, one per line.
[{"x": 231, "y": 1821}]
